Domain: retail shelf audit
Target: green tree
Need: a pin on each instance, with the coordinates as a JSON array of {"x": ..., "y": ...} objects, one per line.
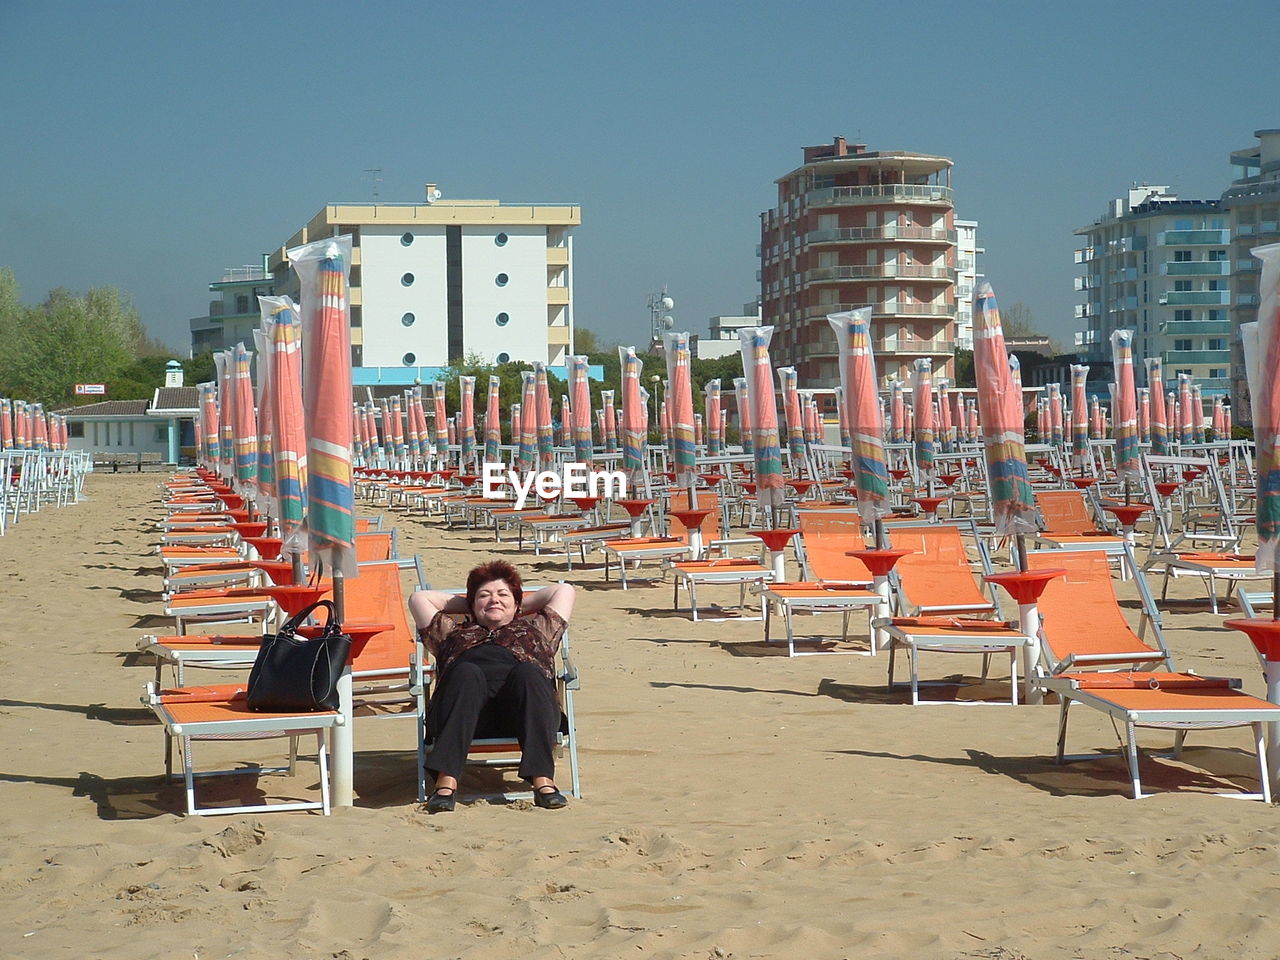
[
  {"x": 585, "y": 341},
  {"x": 1017, "y": 320},
  {"x": 964, "y": 369}
]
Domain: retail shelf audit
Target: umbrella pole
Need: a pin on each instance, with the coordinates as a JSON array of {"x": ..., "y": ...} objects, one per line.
[
  {"x": 343, "y": 740},
  {"x": 1020, "y": 542},
  {"x": 299, "y": 576}
]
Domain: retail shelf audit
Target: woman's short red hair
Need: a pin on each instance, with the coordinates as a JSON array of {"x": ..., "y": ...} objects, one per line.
[{"x": 489, "y": 572}]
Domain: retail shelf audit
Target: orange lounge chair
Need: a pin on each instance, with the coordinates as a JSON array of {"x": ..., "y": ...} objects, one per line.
[
  {"x": 676, "y": 546},
  {"x": 1068, "y": 526},
  {"x": 1090, "y": 655}
]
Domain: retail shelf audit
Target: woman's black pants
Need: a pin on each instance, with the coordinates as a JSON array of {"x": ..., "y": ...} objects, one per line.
[{"x": 487, "y": 692}]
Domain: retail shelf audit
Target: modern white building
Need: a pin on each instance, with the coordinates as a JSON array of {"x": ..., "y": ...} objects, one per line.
[
  {"x": 723, "y": 337},
  {"x": 1159, "y": 266},
  {"x": 444, "y": 280},
  {"x": 967, "y": 274}
]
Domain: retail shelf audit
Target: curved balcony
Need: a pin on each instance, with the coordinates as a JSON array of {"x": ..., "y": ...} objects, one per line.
[
  {"x": 881, "y": 271},
  {"x": 886, "y": 232},
  {"x": 881, "y": 193}
]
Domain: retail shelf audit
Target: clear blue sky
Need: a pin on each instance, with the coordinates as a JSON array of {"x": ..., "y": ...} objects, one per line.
[{"x": 148, "y": 146}]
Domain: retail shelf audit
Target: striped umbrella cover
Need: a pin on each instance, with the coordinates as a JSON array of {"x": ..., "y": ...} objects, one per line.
[
  {"x": 1159, "y": 413},
  {"x": 6, "y": 424},
  {"x": 1144, "y": 415},
  {"x": 971, "y": 415},
  {"x": 599, "y": 428},
  {"x": 1097, "y": 429},
  {"x": 209, "y": 423},
  {"x": 1000, "y": 411},
  {"x": 862, "y": 395},
  {"x": 897, "y": 413},
  {"x": 633, "y": 414},
  {"x": 467, "y": 415},
  {"x": 1262, "y": 360},
  {"x": 323, "y": 268},
  {"x": 765, "y": 445},
  {"x": 945, "y": 430},
  {"x": 412, "y": 432},
  {"x": 610, "y": 421},
  {"x": 1186, "y": 422},
  {"x": 359, "y": 436},
  {"x": 1057, "y": 424},
  {"x": 1042, "y": 419},
  {"x": 39, "y": 428},
  {"x": 794, "y": 419},
  {"x": 451, "y": 427},
  {"x": 224, "y": 364},
  {"x": 665, "y": 419},
  {"x": 644, "y": 412},
  {"x": 742, "y": 397},
  {"x": 516, "y": 420},
  {"x": 697, "y": 431},
  {"x": 1018, "y": 409},
  {"x": 812, "y": 422},
  {"x": 424, "y": 428},
  {"x": 1079, "y": 415},
  {"x": 289, "y": 433},
  {"x": 542, "y": 422},
  {"x": 711, "y": 401},
  {"x": 679, "y": 357},
  {"x": 244, "y": 424},
  {"x": 1125, "y": 414},
  {"x": 265, "y": 477},
  {"x": 528, "y": 420},
  {"x": 921, "y": 400},
  {"x": 564, "y": 433},
  {"x": 376, "y": 449},
  {"x": 1197, "y": 413},
  {"x": 580, "y": 405},
  {"x": 1218, "y": 424},
  {"x": 493, "y": 420},
  {"x": 842, "y": 413},
  {"x": 21, "y": 425},
  {"x": 958, "y": 422},
  {"x": 441, "y": 425}
]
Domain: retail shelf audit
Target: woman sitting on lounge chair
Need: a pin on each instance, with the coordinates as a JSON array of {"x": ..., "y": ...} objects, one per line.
[{"x": 495, "y": 654}]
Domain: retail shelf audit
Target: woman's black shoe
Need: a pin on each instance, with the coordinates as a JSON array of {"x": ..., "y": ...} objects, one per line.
[
  {"x": 440, "y": 801},
  {"x": 549, "y": 797}
]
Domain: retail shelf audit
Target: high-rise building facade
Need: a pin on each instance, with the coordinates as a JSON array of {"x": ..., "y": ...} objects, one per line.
[
  {"x": 1252, "y": 203},
  {"x": 442, "y": 280},
  {"x": 967, "y": 274},
  {"x": 854, "y": 228},
  {"x": 1159, "y": 266}
]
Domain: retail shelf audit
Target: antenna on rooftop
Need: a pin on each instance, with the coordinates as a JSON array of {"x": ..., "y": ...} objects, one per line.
[{"x": 376, "y": 176}]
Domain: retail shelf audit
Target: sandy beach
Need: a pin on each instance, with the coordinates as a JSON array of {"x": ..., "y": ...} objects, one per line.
[{"x": 737, "y": 803}]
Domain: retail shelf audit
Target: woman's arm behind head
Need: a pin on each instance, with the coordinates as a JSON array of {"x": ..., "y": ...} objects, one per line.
[{"x": 558, "y": 598}]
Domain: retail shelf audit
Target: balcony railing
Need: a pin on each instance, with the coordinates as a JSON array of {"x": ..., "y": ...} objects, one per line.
[
  {"x": 1248, "y": 266},
  {"x": 886, "y": 309},
  {"x": 1176, "y": 298},
  {"x": 1247, "y": 300},
  {"x": 888, "y": 231},
  {"x": 899, "y": 346},
  {"x": 1268, "y": 227},
  {"x": 1195, "y": 268},
  {"x": 1086, "y": 337},
  {"x": 1192, "y": 238},
  {"x": 1185, "y": 328},
  {"x": 1085, "y": 254},
  {"x": 880, "y": 271},
  {"x": 1216, "y": 357},
  {"x": 884, "y": 193}
]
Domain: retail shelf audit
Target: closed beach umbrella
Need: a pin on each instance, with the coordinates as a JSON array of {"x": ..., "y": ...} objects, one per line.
[
  {"x": 1057, "y": 424},
  {"x": 1097, "y": 424},
  {"x": 412, "y": 432},
  {"x": 765, "y": 445},
  {"x": 516, "y": 420},
  {"x": 1125, "y": 413},
  {"x": 441, "y": 421},
  {"x": 1159, "y": 414},
  {"x": 209, "y": 420},
  {"x": 565, "y": 430},
  {"x": 467, "y": 419},
  {"x": 580, "y": 405},
  {"x": 1079, "y": 415},
  {"x": 493, "y": 421},
  {"x": 897, "y": 414},
  {"x": 20, "y": 425},
  {"x": 1218, "y": 424},
  {"x": 543, "y": 424},
  {"x": 244, "y": 426},
  {"x": 6, "y": 424},
  {"x": 323, "y": 268},
  {"x": 842, "y": 413},
  {"x": 1264, "y": 392},
  {"x": 393, "y": 410},
  {"x": 224, "y": 364},
  {"x": 376, "y": 449},
  {"x": 1186, "y": 418},
  {"x": 697, "y": 432},
  {"x": 862, "y": 395},
  {"x": 1197, "y": 413},
  {"x": 633, "y": 416},
  {"x": 289, "y": 431},
  {"x": 680, "y": 406},
  {"x": 711, "y": 399},
  {"x": 922, "y": 401},
  {"x": 609, "y": 431},
  {"x": 1000, "y": 412},
  {"x": 742, "y": 397},
  {"x": 944, "y": 430},
  {"x": 528, "y": 419},
  {"x": 265, "y": 478},
  {"x": 359, "y": 435},
  {"x": 788, "y": 382}
]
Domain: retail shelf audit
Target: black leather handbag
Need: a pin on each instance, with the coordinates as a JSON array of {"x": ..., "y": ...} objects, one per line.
[{"x": 292, "y": 674}]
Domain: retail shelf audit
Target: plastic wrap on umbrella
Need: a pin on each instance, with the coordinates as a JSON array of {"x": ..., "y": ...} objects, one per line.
[
  {"x": 323, "y": 268},
  {"x": 543, "y": 426},
  {"x": 441, "y": 421},
  {"x": 244, "y": 425},
  {"x": 1197, "y": 413},
  {"x": 1262, "y": 360},
  {"x": 1000, "y": 410},
  {"x": 1186, "y": 428},
  {"x": 223, "y": 363},
  {"x": 1159, "y": 414},
  {"x": 288, "y": 432},
  {"x": 566, "y": 422},
  {"x": 608, "y": 422},
  {"x": 377, "y": 449},
  {"x": 711, "y": 400},
  {"x": 1079, "y": 415},
  {"x": 1128, "y": 455},
  {"x": 467, "y": 418},
  {"x": 1144, "y": 415},
  {"x": 412, "y": 428},
  {"x": 580, "y": 409},
  {"x": 842, "y": 414},
  {"x": 6, "y": 422},
  {"x": 265, "y": 474},
  {"x": 944, "y": 430},
  {"x": 742, "y": 397},
  {"x": 528, "y": 451},
  {"x": 1057, "y": 424},
  {"x": 517, "y": 418},
  {"x": 921, "y": 400},
  {"x": 209, "y": 420},
  {"x": 862, "y": 396},
  {"x": 765, "y": 445},
  {"x": 897, "y": 413},
  {"x": 1218, "y": 423},
  {"x": 397, "y": 431},
  {"x": 679, "y": 358}
]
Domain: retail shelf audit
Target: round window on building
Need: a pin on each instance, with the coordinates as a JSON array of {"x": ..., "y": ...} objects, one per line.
[
  {"x": 406, "y": 238},
  {"x": 501, "y": 279},
  {"x": 504, "y": 358},
  {"x": 407, "y": 279},
  {"x": 408, "y": 319},
  {"x": 410, "y": 359},
  {"x": 502, "y": 319},
  {"x": 501, "y": 239}
]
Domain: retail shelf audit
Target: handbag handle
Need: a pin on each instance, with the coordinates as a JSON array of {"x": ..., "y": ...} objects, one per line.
[{"x": 299, "y": 618}]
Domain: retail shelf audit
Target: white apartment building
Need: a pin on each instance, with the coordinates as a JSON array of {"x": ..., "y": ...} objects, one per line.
[
  {"x": 234, "y": 314},
  {"x": 723, "y": 339},
  {"x": 441, "y": 280},
  {"x": 967, "y": 274}
]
